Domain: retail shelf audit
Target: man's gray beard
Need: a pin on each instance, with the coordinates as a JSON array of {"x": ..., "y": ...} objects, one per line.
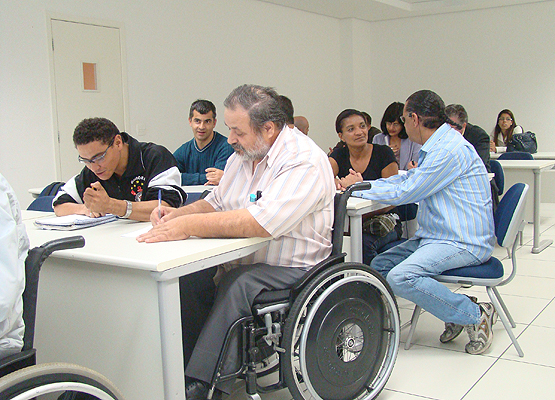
[{"x": 256, "y": 154}]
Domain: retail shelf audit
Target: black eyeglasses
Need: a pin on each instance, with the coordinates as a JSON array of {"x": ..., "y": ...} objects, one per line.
[
  {"x": 403, "y": 119},
  {"x": 97, "y": 159}
]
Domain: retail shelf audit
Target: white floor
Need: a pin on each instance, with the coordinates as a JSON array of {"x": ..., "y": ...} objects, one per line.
[{"x": 432, "y": 370}]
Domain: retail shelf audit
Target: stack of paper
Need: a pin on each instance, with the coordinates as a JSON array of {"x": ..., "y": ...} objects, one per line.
[{"x": 71, "y": 222}]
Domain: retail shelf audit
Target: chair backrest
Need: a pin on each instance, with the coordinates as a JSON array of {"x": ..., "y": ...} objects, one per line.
[
  {"x": 339, "y": 213},
  {"x": 499, "y": 177},
  {"x": 509, "y": 214},
  {"x": 516, "y": 155},
  {"x": 51, "y": 189},
  {"x": 33, "y": 262},
  {"x": 43, "y": 203}
]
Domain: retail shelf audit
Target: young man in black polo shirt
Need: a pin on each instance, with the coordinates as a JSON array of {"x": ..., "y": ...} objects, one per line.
[{"x": 122, "y": 175}]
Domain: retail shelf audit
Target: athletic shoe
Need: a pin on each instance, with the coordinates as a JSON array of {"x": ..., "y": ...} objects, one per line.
[
  {"x": 453, "y": 330},
  {"x": 481, "y": 334}
]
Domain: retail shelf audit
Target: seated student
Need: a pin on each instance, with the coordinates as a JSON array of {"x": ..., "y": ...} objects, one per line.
[
  {"x": 122, "y": 176},
  {"x": 301, "y": 123},
  {"x": 295, "y": 207},
  {"x": 455, "y": 221},
  {"x": 14, "y": 246},
  {"x": 359, "y": 160},
  {"x": 394, "y": 135},
  {"x": 372, "y": 130},
  {"x": 504, "y": 129},
  {"x": 201, "y": 160}
]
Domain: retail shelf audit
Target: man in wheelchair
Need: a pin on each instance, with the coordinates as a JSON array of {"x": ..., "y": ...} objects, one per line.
[{"x": 278, "y": 183}]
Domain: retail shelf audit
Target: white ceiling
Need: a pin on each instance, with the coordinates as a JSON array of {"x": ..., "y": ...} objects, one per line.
[{"x": 378, "y": 10}]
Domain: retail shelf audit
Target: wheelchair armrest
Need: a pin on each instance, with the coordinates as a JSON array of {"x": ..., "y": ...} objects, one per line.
[
  {"x": 17, "y": 361},
  {"x": 72, "y": 242},
  {"x": 331, "y": 260}
]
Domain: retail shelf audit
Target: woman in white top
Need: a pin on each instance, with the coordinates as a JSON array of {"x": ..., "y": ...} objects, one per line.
[
  {"x": 395, "y": 136},
  {"x": 504, "y": 130}
]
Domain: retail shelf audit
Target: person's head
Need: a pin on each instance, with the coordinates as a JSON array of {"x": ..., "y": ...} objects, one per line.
[
  {"x": 99, "y": 144},
  {"x": 255, "y": 117},
  {"x": 202, "y": 118},
  {"x": 391, "y": 121},
  {"x": 505, "y": 126},
  {"x": 458, "y": 118},
  {"x": 302, "y": 124},
  {"x": 287, "y": 105},
  {"x": 423, "y": 114},
  {"x": 367, "y": 118},
  {"x": 351, "y": 127}
]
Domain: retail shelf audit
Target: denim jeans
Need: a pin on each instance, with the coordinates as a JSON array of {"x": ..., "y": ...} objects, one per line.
[{"x": 409, "y": 269}]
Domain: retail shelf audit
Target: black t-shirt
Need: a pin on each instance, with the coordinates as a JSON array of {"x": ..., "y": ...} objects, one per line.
[
  {"x": 150, "y": 167},
  {"x": 381, "y": 157}
]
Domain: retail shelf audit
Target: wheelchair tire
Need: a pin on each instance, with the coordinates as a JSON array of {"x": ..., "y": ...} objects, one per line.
[
  {"x": 68, "y": 380},
  {"x": 341, "y": 336}
]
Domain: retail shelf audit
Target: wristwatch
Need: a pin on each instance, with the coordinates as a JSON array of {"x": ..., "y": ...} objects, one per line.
[{"x": 128, "y": 210}]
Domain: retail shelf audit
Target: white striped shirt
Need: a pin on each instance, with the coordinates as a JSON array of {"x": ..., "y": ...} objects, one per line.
[
  {"x": 452, "y": 186},
  {"x": 296, "y": 187}
]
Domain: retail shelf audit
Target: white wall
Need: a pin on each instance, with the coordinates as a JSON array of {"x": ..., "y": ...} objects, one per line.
[
  {"x": 486, "y": 60},
  {"x": 177, "y": 51},
  {"x": 181, "y": 50}
]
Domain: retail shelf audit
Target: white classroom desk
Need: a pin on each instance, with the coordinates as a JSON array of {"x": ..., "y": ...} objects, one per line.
[
  {"x": 521, "y": 171},
  {"x": 114, "y": 305}
]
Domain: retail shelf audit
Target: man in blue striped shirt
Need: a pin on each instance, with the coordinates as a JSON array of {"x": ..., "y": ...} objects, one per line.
[{"x": 455, "y": 221}]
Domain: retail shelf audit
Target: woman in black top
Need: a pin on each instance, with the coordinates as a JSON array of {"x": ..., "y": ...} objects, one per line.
[{"x": 359, "y": 160}]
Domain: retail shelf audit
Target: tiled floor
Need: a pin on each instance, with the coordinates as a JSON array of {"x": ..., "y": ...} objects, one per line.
[{"x": 431, "y": 370}]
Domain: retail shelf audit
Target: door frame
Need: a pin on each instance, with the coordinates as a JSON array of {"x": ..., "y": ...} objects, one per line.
[{"x": 123, "y": 54}]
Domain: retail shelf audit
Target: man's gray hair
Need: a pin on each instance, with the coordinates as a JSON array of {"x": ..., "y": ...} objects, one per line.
[
  {"x": 261, "y": 103},
  {"x": 459, "y": 111},
  {"x": 428, "y": 106}
]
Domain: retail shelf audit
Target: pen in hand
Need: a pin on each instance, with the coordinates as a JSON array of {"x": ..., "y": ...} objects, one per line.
[{"x": 159, "y": 203}]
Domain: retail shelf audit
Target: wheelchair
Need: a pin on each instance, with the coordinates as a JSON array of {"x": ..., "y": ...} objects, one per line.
[
  {"x": 334, "y": 335},
  {"x": 20, "y": 377}
]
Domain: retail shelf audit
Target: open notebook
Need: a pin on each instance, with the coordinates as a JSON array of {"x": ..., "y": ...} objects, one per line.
[{"x": 71, "y": 222}]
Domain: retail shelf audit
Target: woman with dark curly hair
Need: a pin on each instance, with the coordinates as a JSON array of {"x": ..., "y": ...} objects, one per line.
[{"x": 394, "y": 135}]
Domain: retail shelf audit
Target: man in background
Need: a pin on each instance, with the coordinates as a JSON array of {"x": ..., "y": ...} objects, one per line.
[
  {"x": 201, "y": 160},
  {"x": 301, "y": 123}
]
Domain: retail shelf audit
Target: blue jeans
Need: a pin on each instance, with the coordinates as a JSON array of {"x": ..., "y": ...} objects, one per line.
[{"x": 409, "y": 269}]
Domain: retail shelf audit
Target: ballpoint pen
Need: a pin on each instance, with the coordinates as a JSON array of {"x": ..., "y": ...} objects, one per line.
[{"x": 159, "y": 203}]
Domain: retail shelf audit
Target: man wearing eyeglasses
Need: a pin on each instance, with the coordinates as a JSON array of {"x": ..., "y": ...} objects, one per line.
[
  {"x": 455, "y": 221},
  {"x": 122, "y": 176}
]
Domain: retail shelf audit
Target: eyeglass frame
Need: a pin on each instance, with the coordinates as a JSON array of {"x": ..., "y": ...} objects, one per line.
[
  {"x": 98, "y": 158},
  {"x": 403, "y": 119},
  {"x": 508, "y": 119}
]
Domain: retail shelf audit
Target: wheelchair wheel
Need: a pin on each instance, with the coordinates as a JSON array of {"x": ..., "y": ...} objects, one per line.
[
  {"x": 57, "y": 381},
  {"x": 341, "y": 336}
]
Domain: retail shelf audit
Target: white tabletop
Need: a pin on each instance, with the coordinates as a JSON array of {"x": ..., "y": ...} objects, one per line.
[
  {"x": 540, "y": 155},
  {"x": 527, "y": 164},
  {"x": 106, "y": 245}
]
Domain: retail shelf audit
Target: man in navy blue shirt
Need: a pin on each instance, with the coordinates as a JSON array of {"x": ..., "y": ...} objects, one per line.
[{"x": 201, "y": 160}]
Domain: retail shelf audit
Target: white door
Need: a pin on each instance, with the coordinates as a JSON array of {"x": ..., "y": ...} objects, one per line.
[{"x": 88, "y": 83}]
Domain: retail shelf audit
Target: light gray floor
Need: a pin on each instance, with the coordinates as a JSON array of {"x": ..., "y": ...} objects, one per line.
[{"x": 431, "y": 370}]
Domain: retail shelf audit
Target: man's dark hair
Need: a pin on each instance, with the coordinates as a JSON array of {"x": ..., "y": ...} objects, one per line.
[
  {"x": 393, "y": 113},
  {"x": 346, "y": 114},
  {"x": 287, "y": 105},
  {"x": 94, "y": 129},
  {"x": 459, "y": 111},
  {"x": 202, "y": 107},
  {"x": 261, "y": 103},
  {"x": 429, "y": 107}
]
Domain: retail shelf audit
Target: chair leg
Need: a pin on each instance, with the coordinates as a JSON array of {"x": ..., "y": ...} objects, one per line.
[
  {"x": 505, "y": 320},
  {"x": 413, "y": 322},
  {"x": 505, "y": 309}
]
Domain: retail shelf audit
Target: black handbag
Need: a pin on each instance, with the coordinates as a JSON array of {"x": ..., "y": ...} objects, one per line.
[{"x": 523, "y": 142}]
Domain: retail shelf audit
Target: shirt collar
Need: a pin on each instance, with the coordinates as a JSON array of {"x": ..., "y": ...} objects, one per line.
[{"x": 436, "y": 137}]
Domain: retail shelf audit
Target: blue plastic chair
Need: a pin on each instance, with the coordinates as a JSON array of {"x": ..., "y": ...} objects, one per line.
[
  {"x": 499, "y": 177},
  {"x": 509, "y": 222},
  {"x": 43, "y": 203},
  {"x": 516, "y": 155}
]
